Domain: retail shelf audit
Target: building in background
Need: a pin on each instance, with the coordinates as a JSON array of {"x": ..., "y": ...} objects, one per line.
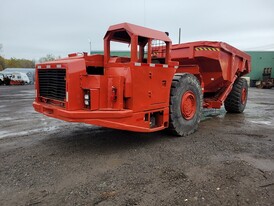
[{"x": 259, "y": 61}]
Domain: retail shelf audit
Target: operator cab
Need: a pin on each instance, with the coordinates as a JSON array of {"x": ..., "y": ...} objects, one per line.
[{"x": 139, "y": 45}]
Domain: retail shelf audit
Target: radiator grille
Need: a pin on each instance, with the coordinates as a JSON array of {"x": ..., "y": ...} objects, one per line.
[{"x": 52, "y": 83}]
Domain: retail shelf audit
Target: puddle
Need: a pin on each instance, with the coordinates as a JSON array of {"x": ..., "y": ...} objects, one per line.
[
  {"x": 6, "y": 119},
  {"x": 210, "y": 113},
  {"x": 259, "y": 163},
  {"x": 5, "y": 134},
  {"x": 263, "y": 164},
  {"x": 28, "y": 92},
  {"x": 261, "y": 122},
  {"x": 266, "y": 103}
]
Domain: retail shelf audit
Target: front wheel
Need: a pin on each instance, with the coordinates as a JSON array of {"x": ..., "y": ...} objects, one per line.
[
  {"x": 237, "y": 98},
  {"x": 185, "y": 104}
]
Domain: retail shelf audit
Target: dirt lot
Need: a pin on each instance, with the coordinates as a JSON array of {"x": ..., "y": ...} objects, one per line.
[{"x": 43, "y": 161}]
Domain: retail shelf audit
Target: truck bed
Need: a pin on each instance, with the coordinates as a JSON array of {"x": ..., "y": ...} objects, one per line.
[{"x": 216, "y": 64}]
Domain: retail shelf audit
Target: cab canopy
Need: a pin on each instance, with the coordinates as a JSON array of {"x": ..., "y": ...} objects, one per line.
[
  {"x": 140, "y": 39},
  {"x": 123, "y": 32}
]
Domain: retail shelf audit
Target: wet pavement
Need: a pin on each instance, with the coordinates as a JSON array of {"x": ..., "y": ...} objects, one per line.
[{"x": 228, "y": 161}]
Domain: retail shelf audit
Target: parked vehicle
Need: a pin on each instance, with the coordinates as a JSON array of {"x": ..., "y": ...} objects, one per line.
[
  {"x": 19, "y": 78},
  {"x": 160, "y": 86},
  {"x": 30, "y": 72},
  {"x": 4, "y": 79},
  {"x": 267, "y": 82}
]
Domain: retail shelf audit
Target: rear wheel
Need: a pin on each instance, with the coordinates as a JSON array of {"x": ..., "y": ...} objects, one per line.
[
  {"x": 185, "y": 104},
  {"x": 237, "y": 98}
]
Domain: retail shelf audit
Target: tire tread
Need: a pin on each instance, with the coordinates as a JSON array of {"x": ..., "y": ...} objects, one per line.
[
  {"x": 174, "y": 127},
  {"x": 233, "y": 101}
]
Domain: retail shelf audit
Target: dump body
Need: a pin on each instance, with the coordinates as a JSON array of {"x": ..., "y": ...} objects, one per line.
[{"x": 215, "y": 64}]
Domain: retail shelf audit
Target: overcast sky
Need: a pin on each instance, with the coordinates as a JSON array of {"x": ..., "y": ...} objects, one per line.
[{"x": 34, "y": 28}]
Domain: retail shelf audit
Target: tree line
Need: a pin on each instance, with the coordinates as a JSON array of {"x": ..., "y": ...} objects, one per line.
[
  {"x": 16, "y": 63},
  {"x": 22, "y": 63}
]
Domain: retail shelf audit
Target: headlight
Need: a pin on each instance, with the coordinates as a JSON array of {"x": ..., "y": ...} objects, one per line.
[
  {"x": 86, "y": 99},
  {"x": 86, "y": 96},
  {"x": 86, "y": 102}
]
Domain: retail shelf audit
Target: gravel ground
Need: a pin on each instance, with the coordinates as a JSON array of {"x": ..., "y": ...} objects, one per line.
[{"x": 43, "y": 161}]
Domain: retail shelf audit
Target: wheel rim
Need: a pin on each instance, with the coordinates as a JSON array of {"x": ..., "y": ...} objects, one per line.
[
  {"x": 188, "y": 105},
  {"x": 244, "y": 96}
]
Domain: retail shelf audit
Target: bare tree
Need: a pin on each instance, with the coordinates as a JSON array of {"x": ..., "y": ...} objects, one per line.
[{"x": 48, "y": 57}]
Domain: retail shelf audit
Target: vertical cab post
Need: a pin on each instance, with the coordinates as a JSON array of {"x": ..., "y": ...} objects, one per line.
[
  {"x": 134, "y": 48},
  {"x": 168, "y": 49},
  {"x": 107, "y": 48},
  {"x": 149, "y": 50}
]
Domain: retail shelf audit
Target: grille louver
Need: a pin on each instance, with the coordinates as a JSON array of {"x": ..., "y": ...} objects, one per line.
[{"x": 52, "y": 83}]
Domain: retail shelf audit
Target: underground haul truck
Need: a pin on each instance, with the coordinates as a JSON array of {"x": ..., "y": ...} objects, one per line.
[{"x": 159, "y": 86}]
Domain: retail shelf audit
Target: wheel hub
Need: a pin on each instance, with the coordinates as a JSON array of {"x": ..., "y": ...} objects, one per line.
[{"x": 188, "y": 105}]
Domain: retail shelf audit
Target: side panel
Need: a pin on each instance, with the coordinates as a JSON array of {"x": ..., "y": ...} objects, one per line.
[
  {"x": 115, "y": 92},
  {"x": 75, "y": 70},
  {"x": 151, "y": 87}
]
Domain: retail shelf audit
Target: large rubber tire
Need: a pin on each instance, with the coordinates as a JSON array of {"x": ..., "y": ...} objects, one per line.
[
  {"x": 237, "y": 98},
  {"x": 184, "y": 116}
]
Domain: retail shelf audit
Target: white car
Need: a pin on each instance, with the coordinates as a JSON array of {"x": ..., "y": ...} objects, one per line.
[{"x": 19, "y": 78}]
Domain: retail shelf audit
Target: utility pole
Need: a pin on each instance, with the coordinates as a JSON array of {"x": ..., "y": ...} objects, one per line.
[
  {"x": 89, "y": 46},
  {"x": 179, "y": 35}
]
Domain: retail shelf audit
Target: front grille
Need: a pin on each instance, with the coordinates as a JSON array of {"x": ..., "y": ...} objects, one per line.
[{"x": 52, "y": 83}]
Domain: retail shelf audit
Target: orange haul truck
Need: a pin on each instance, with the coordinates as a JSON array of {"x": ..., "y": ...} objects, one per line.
[{"x": 160, "y": 86}]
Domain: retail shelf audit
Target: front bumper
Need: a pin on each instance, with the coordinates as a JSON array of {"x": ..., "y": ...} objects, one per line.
[{"x": 116, "y": 119}]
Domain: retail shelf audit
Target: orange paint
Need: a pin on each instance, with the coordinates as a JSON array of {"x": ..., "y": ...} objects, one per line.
[{"x": 132, "y": 93}]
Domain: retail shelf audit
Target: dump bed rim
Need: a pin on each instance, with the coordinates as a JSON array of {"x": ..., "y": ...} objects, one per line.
[{"x": 216, "y": 44}]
